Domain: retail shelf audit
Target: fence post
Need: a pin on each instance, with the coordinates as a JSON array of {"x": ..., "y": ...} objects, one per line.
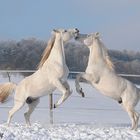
[
  {"x": 51, "y": 108},
  {"x": 9, "y": 78}
]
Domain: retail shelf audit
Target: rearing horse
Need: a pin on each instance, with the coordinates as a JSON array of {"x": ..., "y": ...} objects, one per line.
[
  {"x": 52, "y": 74},
  {"x": 100, "y": 74}
]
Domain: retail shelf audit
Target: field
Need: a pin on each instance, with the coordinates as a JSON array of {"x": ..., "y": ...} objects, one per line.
[{"x": 92, "y": 117}]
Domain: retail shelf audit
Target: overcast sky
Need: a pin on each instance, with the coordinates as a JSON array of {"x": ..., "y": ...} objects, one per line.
[{"x": 118, "y": 21}]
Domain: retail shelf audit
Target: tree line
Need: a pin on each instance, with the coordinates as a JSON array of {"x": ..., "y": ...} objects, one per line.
[{"x": 26, "y": 54}]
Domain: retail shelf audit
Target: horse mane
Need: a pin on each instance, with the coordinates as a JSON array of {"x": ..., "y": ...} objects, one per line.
[
  {"x": 47, "y": 51},
  {"x": 106, "y": 56}
]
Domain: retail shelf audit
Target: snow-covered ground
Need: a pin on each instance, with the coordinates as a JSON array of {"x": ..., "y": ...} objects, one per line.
[
  {"x": 68, "y": 132},
  {"x": 93, "y": 117}
]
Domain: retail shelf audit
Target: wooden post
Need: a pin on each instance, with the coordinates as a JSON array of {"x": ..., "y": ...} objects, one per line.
[
  {"x": 51, "y": 108},
  {"x": 50, "y": 101},
  {"x": 9, "y": 78}
]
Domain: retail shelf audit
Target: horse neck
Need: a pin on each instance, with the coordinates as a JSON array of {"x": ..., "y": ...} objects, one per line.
[
  {"x": 96, "y": 61},
  {"x": 95, "y": 55},
  {"x": 57, "y": 53}
]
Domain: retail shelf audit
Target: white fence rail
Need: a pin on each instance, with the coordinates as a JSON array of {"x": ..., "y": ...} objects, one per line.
[{"x": 71, "y": 72}]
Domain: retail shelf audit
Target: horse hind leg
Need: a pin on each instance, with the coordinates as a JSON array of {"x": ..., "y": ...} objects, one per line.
[
  {"x": 132, "y": 114},
  {"x": 16, "y": 107},
  {"x": 31, "y": 108},
  {"x": 136, "y": 117},
  {"x": 132, "y": 117}
]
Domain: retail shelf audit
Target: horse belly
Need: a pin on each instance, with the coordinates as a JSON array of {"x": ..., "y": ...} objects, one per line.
[
  {"x": 41, "y": 89},
  {"x": 112, "y": 89},
  {"x": 110, "y": 93},
  {"x": 36, "y": 87}
]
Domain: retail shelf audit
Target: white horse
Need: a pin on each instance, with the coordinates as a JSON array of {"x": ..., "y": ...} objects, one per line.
[
  {"x": 100, "y": 74},
  {"x": 52, "y": 74}
]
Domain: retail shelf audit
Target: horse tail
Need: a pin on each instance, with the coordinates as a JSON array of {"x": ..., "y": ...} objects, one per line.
[{"x": 5, "y": 90}]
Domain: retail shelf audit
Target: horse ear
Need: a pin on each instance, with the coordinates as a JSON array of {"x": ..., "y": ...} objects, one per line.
[
  {"x": 97, "y": 34},
  {"x": 56, "y": 31}
]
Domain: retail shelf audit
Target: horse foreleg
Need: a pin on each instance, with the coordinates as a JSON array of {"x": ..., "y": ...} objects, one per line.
[
  {"x": 87, "y": 77},
  {"x": 66, "y": 85},
  {"x": 69, "y": 91},
  {"x": 64, "y": 88},
  {"x": 77, "y": 84},
  {"x": 27, "y": 114}
]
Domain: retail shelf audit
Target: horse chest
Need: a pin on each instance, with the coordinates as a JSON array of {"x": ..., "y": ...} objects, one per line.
[
  {"x": 59, "y": 70},
  {"x": 91, "y": 69}
]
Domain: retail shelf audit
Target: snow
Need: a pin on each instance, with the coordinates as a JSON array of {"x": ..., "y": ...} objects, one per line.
[
  {"x": 94, "y": 117},
  {"x": 67, "y": 132}
]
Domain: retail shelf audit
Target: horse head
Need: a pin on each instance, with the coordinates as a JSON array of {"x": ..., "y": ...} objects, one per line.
[
  {"x": 87, "y": 39},
  {"x": 66, "y": 35},
  {"x": 96, "y": 47}
]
